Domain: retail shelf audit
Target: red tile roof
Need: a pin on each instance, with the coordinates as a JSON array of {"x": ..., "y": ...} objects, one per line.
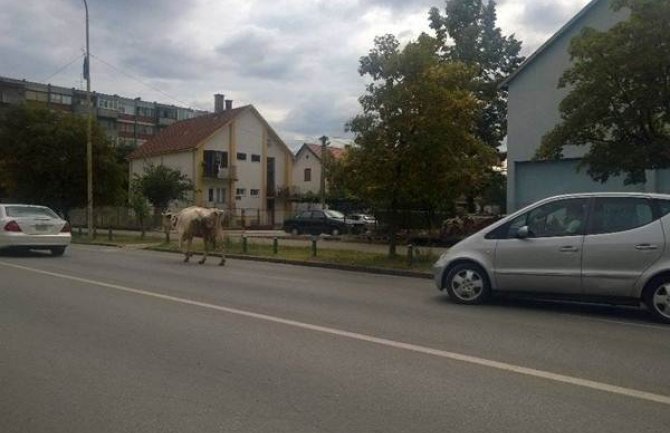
[
  {"x": 335, "y": 152},
  {"x": 185, "y": 134}
]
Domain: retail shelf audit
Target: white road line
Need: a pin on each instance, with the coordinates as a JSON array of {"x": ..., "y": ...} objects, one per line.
[{"x": 503, "y": 366}]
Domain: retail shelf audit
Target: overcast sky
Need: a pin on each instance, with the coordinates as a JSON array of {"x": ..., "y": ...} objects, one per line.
[{"x": 295, "y": 60}]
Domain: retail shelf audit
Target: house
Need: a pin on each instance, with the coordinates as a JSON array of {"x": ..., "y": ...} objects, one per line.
[
  {"x": 533, "y": 110},
  {"x": 307, "y": 167},
  {"x": 234, "y": 158}
]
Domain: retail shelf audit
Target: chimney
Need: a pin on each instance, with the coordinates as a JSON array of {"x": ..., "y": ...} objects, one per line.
[
  {"x": 229, "y": 104},
  {"x": 218, "y": 103}
]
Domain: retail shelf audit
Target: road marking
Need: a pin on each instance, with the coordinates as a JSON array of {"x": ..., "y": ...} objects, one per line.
[{"x": 497, "y": 365}]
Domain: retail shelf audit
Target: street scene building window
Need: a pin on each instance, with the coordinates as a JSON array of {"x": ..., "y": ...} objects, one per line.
[
  {"x": 254, "y": 192},
  {"x": 241, "y": 191},
  {"x": 241, "y": 156},
  {"x": 255, "y": 158},
  {"x": 308, "y": 174}
]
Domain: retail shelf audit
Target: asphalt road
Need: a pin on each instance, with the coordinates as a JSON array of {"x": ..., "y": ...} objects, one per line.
[{"x": 112, "y": 340}]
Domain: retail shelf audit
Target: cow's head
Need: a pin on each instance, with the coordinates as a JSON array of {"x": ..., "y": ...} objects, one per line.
[{"x": 213, "y": 220}]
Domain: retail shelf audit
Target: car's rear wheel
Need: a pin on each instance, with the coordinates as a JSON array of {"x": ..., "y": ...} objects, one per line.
[
  {"x": 295, "y": 231},
  {"x": 467, "y": 283},
  {"x": 335, "y": 231},
  {"x": 656, "y": 297},
  {"x": 57, "y": 251}
]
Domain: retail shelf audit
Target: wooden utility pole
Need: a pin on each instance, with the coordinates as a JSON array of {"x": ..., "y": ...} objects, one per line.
[
  {"x": 89, "y": 145},
  {"x": 324, "y": 150}
]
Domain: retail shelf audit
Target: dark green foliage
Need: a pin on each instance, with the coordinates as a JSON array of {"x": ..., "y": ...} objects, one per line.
[
  {"x": 161, "y": 184},
  {"x": 43, "y": 160},
  {"x": 619, "y": 100}
]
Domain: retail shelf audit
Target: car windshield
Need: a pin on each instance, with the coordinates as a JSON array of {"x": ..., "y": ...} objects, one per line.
[
  {"x": 334, "y": 214},
  {"x": 29, "y": 211}
]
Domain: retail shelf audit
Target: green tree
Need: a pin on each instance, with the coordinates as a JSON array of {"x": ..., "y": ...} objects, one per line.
[
  {"x": 161, "y": 184},
  {"x": 43, "y": 160},
  {"x": 140, "y": 206},
  {"x": 619, "y": 99},
  {"x": 414, "y": 141},
  {"x": 467, "y": 33}
]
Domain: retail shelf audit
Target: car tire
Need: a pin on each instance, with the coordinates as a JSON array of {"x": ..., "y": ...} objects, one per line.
[
  {"x": 295, "y": 231},
  {"x": 467, "y": 283},
  {"x": 335, "y": 231},
  {"x": 57, "y": 251},
  {"x": 656, "y": 297}
]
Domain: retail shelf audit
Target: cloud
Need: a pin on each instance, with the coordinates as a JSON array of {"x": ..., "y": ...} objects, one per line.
[{"x": 295, "y": 60}]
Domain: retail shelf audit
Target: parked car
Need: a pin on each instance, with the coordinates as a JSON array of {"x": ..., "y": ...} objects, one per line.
[
  {"x": 360, "y": 223},
  {"x": 606, "y": 246},
  {"x": 316, "y": 222},
  {"x": 33, "y": 227}
]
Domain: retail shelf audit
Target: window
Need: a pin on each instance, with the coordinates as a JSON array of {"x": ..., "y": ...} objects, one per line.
[
  {"x": 60, "y": 99},
  {"x": 318, "y": 214},
  {"x": 213, "y": 161},
  {"x": 254, "y": 192},
  {"x": 305, "y": 215},
  {"x": 36, "y": 96},
  {"x": 308, "y": 175},
  {"x": 617, "y": 214},
  {"x": 241, "y": 191},
  {"x": 220, "y": 195},
  {"x": 663, "y": 207},
  {"x": 255, "y": 158},
  {"x": 558, "y": 218},
  {"x": 241, "y": 156},
  {"x": 211, "y": 195}
]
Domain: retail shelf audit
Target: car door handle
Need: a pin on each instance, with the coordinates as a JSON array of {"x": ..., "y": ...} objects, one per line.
[
  {"x": 568, "y": 249},
  {"x": 646, "y": 247}
]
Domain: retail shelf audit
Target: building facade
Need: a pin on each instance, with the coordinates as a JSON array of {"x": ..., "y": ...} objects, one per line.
[
  {"x": 126, "y": 121},
  {"x": 234, "y": 158},
  {"x": 307, "y": 168},
  {"x": 533, "y": 110}
]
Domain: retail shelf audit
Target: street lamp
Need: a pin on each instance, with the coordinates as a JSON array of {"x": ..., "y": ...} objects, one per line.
[{"x": 89, "y": 145}]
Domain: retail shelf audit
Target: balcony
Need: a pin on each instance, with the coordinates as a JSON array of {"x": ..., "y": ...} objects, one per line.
[{"x": 222, "y": 173}]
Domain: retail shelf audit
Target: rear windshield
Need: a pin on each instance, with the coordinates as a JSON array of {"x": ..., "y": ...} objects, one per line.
[{"x": 29, "y": 211}]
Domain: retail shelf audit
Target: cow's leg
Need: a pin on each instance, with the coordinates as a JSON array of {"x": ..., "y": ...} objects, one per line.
[
  {"x": 188, "y": 253},
  {"x": 223, "y": 252},
  {"x": 205, "y": 243}
]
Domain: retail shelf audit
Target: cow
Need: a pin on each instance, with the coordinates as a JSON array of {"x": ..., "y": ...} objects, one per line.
[{"x": 195, "y": 221}]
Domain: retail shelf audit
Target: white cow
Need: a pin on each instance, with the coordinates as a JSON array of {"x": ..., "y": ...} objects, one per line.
[{"x": 195, "y": 221}]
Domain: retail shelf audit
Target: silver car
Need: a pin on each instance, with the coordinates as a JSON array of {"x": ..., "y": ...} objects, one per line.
[
  {"x": 606, "y": 246},
  {"x": 33, "y": 227}
]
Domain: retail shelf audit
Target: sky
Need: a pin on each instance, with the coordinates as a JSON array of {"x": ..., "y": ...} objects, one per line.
[{"x": 296, "y": 61}]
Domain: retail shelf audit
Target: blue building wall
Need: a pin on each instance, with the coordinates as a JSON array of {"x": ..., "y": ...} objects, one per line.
[{"x": 536, "y": 180}]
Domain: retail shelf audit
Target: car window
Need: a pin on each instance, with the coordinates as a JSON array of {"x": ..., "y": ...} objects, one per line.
[
  {"x": 616, "y": 214},
  {"x": 663, "y": 206},
  {"x": 334, "y": 214},
  {"x": 305, "y": 215},
  {"x": 317, "y": 214},
  {"x": 29, "y": 211},
  {"x": 558, "y": 218},
  {"x": 515, "y": 225}
]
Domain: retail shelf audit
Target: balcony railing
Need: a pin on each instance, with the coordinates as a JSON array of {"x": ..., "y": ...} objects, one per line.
[{"x": 223, "y": 173}]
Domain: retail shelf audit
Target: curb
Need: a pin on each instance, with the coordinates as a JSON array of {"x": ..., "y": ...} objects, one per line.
[{"x": 337, "y": 266}]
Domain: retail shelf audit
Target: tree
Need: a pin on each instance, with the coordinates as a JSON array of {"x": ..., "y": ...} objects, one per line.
[
  {"x": 161, "y": 184},
  {"x": 140, "y": 206},
  {"x": 43, "y": 160},
  {"x": 467, "y": 33},
  {"x": 619, "y": 99},
  {"x": 414, "y": 141}
]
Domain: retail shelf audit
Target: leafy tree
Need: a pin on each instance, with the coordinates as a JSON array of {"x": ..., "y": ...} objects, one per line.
[
  {"x": 467, "y": 33},
  {"x": 161, "y": 184},
  {"x": 140, "y": 206},
  {"x": 619, "y": 102},
  {"x": 43, "y": 160},
  {"x": 414, "y": 145}
]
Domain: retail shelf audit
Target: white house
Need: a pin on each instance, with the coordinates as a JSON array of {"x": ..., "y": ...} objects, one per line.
[
  {"x": 234, "y": 158},
  {"x": 307, "y": 167},
  {"x": 533, "y": 110}
]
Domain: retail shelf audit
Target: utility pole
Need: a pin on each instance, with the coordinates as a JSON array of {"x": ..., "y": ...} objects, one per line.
[
  {"x": 89, "y": 145},
  {"x": 324, "y": 150}
]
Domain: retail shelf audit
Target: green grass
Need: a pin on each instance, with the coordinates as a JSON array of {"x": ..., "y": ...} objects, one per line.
[{"x": 422, "y": 262}]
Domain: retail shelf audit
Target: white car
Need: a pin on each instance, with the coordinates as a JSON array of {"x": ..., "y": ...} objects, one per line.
[{"x": 33, "y": 227}]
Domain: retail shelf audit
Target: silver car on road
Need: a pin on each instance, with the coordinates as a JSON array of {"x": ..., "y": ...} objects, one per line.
[
  {"x": 33, "y": 227},
  {"x": 604, "y": 246}
]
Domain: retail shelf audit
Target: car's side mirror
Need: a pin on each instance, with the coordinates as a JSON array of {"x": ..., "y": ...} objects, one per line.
[{"x": 522, "y": 232}]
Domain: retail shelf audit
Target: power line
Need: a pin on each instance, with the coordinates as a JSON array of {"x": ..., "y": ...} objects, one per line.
[
  {"x": 63, "y": 67},
  {"x": 142, "y": 82}
]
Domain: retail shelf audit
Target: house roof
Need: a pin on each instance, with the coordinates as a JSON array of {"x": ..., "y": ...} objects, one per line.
[
  {"x": 335, "y": 152},
  {"x": 566, "y": 27},
  {"x": 187, "y": 134}
]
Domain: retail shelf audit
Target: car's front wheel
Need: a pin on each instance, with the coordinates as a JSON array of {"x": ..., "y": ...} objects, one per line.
[
  {"x": 657, "y": 298},
  {"x": 335, "y": 231},
  {"x": 467, "y": 283},
  {"x": 295, "y": 231},
  {"x": 57, "y": 251}
]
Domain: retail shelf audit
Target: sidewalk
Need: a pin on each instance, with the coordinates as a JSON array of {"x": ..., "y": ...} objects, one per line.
[{"x": 266, "y": 237}]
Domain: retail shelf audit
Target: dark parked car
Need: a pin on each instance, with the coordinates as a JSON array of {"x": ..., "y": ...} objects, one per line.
[{"x": 316, "y": 222}]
